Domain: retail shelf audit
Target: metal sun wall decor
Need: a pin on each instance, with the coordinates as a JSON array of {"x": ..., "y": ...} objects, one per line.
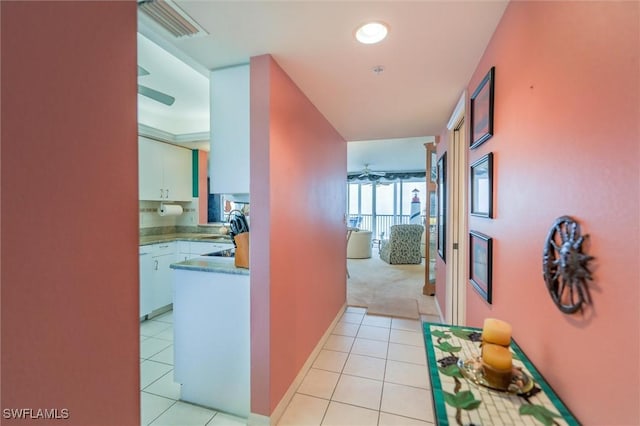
[{"x": 565, "y": 267}]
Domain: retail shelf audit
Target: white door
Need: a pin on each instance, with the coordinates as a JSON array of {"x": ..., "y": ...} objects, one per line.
[{"x": 457, "y": 239}]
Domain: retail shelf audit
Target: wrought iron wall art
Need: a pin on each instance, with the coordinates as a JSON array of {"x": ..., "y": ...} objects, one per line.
[{"x": 565, "y": 267}]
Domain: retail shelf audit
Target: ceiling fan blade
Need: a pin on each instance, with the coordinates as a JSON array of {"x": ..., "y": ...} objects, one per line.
[
  {"x": 155, "y": 95},
  {"x": 142, "y": 71}
]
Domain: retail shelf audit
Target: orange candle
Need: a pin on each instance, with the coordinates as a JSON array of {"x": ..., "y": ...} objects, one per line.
[
  {"x": 496, "y": 331},
  {"x": 496, "y": 365},
  {"x": 497, "y": 357}
]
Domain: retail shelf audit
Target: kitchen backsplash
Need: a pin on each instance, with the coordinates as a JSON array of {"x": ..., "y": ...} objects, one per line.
[{"x": 149, "y": 217}]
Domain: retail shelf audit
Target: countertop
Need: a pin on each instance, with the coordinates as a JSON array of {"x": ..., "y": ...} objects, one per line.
[
  {"x": 162, "y": 238},
  {"x": 224, "y": 265}
]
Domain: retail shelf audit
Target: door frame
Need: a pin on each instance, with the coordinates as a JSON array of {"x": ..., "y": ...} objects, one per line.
[
  {"x": 429, "y": 288},
  {"x": 456, "y": 266}
]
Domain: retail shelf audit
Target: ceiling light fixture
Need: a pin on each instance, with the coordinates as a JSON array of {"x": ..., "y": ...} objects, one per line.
[{"x": 371, "y": 33}]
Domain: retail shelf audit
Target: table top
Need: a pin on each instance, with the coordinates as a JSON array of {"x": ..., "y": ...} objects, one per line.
[{"x": 459, "y": 400}]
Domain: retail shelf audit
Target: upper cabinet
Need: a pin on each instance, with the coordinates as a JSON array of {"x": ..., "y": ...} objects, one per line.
[
  {"x": 164, "y": 171},
  {"x": 229, "y": 156}
]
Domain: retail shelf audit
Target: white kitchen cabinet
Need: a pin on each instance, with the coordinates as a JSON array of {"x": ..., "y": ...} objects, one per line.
[
  {"x": 164, "y": 171},
  {"x": 146, "y": 280},
  {"x": 156, "y": 287},
  {"x": 198, "y": 248},
  {"x": 189, "y": 249},
  {"x": 229, "y": 156},
  {"x": 183, "y": 251},
  {"x": 163, "y": 256}
]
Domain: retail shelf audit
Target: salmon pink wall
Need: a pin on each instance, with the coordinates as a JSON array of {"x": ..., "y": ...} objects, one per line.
[
  {"x": 567, "y": 102},
  {"x": 298, "y": 175},
  {"x": 69, "y": 230}
]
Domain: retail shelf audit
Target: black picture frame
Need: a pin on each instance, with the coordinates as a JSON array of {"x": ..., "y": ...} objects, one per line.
[
  {"x": 481, "y": 108},
  {"x": 480, "y": 263},
  {"x": 442, "y": 207},
  {"x": 481, "y": 187}
]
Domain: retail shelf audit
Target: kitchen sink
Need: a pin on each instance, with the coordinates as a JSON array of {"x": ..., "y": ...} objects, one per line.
[{"x": 222, "y": 253}]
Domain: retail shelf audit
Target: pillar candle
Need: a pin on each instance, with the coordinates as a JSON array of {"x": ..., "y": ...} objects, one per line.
[
  {"x": 496, "y": 356},
  {"x": 496, "y": 331}
]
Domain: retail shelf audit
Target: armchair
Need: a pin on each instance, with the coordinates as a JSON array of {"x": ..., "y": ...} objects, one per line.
[{"x": 403, "y": 245}]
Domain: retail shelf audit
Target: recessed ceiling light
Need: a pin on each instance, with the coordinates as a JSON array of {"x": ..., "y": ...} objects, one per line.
[{"x": 372, "y": 32}]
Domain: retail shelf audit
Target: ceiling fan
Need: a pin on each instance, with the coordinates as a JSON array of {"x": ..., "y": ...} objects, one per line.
[
  {"x": 152, "y": 93},
  {"x": 368, "y": 173}
]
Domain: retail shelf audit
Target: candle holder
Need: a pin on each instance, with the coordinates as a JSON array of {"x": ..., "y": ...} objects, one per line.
[{"x": 473, "y": 370}]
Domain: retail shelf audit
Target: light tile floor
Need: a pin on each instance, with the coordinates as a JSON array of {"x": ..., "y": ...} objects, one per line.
[
  {"x": 159, "y": 394},
  {"x": 371, "y": 371}
]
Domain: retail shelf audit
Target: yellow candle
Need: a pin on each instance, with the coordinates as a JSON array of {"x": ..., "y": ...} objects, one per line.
[
  {"x": 497, "y": 357},
  {"x": 496, "y": 331}
]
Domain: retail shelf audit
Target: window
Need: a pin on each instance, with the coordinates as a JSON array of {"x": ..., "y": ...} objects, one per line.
[{"x": 380, "y": 204}]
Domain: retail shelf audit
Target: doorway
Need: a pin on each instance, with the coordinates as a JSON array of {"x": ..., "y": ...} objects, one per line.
[{"x": 456, "y": 269}]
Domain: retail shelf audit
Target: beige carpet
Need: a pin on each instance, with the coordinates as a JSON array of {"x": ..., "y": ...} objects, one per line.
[{"x": 391, "y": 290}]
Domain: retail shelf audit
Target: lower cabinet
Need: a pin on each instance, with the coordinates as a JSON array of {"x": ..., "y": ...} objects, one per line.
[
  {"x": 146, "y": 280},
  {"x": 156, "y": 285},
  {"x": 156, "y": 288},
  {"x": 198, "y": 248},
  {"x": 162, "y": 285},
  {"x": 190, "y": 249}
]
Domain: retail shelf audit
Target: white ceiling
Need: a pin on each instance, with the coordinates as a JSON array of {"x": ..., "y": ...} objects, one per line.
[
  {"x": 406, "y": 154},
  {"x": 190, "y": 112},
  {"x": 428, "y": 58}
]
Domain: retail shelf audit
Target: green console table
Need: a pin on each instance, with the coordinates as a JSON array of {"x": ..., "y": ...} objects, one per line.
[{"x": 459, "y": 399}]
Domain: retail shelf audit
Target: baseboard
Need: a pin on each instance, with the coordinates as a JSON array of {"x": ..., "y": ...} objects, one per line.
[
  {"x": 260, "y": 420},
  {"x": 439, "y": 310}
]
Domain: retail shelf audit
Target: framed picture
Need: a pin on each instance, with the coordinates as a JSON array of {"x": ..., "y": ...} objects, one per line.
[
  {"x": 481, "y": 183},
  {"x": 482, "y": 110},
  {"x": 442, "y": 207},
  {"x": 480, "y": 254}
]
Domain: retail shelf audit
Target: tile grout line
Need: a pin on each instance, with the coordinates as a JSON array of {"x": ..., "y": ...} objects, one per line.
[
  {"x": 341, "y": 372},
  {"x": 159, "y": 415}
]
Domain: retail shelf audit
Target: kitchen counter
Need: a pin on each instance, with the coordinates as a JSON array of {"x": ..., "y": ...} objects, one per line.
[
  {"x": 162, "y": 238},
  {"x": 212, "y": 343},
  {"x": 224, "y": 265}
]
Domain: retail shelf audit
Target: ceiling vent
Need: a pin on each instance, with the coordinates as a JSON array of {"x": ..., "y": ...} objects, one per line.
[{"x": 170, "y": 17}]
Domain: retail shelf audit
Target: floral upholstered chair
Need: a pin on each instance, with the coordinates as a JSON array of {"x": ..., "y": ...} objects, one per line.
[{"x": 403, "y": 245}]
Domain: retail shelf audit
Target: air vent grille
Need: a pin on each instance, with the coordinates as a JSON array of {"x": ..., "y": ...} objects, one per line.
[{"x": 170, "y": 17}]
